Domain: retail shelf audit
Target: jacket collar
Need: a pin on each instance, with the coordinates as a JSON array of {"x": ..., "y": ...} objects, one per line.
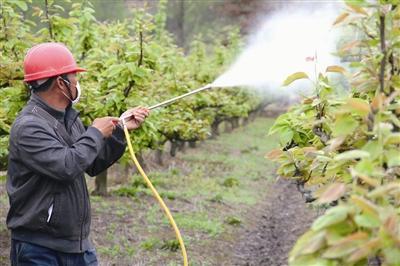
[
  {"x": 67, "y": 116},
  {"x": 56, "y": 113}
]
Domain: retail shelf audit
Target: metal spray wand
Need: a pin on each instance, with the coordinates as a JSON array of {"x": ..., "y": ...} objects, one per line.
[{"x": 170, "y": 101}]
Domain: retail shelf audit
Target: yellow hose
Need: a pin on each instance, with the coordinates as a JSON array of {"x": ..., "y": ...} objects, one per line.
[{"x": 157, "y": 196}]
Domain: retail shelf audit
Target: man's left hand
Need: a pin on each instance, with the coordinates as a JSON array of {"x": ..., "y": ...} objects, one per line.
[{"x": 134, "y": 117}]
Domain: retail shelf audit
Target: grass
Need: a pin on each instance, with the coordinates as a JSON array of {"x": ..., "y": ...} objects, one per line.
[
  {"x": 231, "y": 220},
  {"x": 199, "y": 222}
]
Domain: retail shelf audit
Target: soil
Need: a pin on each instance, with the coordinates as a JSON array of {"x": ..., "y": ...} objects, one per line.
[
  {"x": 277, "y": 224},
  {"x": 266, "y": 239}
]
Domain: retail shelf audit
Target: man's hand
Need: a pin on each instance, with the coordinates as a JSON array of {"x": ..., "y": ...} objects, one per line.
[
  {"x": 134, "y": 117},
  {"x": 106, "y": 125}
]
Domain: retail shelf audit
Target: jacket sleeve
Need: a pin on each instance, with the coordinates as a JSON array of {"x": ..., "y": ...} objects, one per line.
[
  {"x": 42, "y": 152},
  {"x": 112, "y": 150}
]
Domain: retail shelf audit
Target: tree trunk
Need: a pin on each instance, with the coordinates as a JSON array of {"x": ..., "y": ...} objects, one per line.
[
  {"x": 214, "y": 129},
  {"x": 159, "y": 159},
  {"x": 235, "y": 122},
  {"x": 127, "y": 173},
  {"x": 228, "y": 126},
  {"x": 101, "y": 184},
  {"x": 181, "y": 146},
  {"x": 245, "y": 121},
  {"x": 192, "y": 144},
  {"x": 252, "y": 115},
  {"x": 174, "y": 147}
]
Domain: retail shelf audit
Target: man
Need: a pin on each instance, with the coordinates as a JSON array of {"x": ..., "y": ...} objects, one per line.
[{"x": 50, "y": 151}]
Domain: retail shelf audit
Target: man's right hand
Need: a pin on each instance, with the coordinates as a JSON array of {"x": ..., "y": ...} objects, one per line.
[{"x": 106, "y": 125}]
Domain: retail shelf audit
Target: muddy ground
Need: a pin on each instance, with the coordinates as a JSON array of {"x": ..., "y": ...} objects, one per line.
[{"x": 278, "y": 222}]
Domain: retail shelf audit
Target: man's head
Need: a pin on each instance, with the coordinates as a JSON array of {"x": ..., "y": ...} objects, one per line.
[
  {"x": 64, "y": 87},
  {"x": 50, "y": 69}
]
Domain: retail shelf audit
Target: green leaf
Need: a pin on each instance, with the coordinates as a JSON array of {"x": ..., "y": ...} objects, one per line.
[
  {"x": 331, "y": 217},
  {"x": 22, "y": 5},
  {"x": 140, "y": 72},
  {"x": 114, "y": 70},
  {"x": 294, "y": 77},
  {"x": 286, "y": 135},
  {"x": 393, "y": 157},
  {"x": 350, "y": 155},
  {"x": 344, "y": 125},
  {"x": 374, "y": 148},
  {"x": 280, "y": 123},
  {"x": 335, "y": 233},
  {"x": 393, "y": 138},
  {"x": 392, "y": 255},
  {"x": 365, "y": 166},
  {"x": 366, "y": 220},
  {"x": 132, "y": 68}
]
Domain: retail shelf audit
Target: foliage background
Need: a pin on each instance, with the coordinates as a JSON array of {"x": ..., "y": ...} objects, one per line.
[{"x": 131, "y": 61}]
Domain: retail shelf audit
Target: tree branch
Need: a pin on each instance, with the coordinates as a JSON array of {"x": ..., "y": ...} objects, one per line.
[
  {"x": 141, "y": 48},
  {"x": 4, "y": 23},
  {"x": 384, "y": 52},
  {"x": 48, "y": 19},
  {"x": 140, "y": 62},
  {"x": 128, "y": 88}
]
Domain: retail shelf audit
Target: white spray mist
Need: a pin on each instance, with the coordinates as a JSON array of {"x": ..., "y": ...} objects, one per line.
[{"x": 299, "y": 38}]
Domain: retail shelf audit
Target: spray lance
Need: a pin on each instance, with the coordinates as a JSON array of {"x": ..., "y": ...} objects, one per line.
[
  {"x": 144, "y": 175},
  {"x": 170, "y": 101}
]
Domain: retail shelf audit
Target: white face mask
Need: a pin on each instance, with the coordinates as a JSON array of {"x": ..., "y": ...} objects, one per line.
[{"x": 78, "y": 93}]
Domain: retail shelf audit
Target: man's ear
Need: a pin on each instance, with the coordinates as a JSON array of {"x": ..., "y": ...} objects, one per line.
[
  {"x": 60, "y": 83},
  {"x": 57, "y": 85}
]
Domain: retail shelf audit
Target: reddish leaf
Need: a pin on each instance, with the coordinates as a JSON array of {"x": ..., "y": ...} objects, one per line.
[
  {"x": 349, "y": 46},
  {"x": 365, "y": 205},
  {"x": 340, "y": 18},
  {"x": 332, "y": 193},
  {"x": 365, "y": 250},
  {"x": 357, "y": 9},
  {"x": 358, "y": 105},
  {"x": 337, "y": 69},
  {"x": 272, "y": 155}
]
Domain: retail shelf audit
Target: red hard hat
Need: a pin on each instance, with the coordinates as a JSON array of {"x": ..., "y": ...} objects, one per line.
[{"x": 46, "y": 60}]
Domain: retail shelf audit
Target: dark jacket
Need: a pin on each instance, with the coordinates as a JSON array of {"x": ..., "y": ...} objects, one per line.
[{"x": 45, "y": 171}]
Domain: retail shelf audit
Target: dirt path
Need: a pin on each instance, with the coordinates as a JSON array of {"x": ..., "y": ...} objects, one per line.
[{"x": 278, "y": 222}]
